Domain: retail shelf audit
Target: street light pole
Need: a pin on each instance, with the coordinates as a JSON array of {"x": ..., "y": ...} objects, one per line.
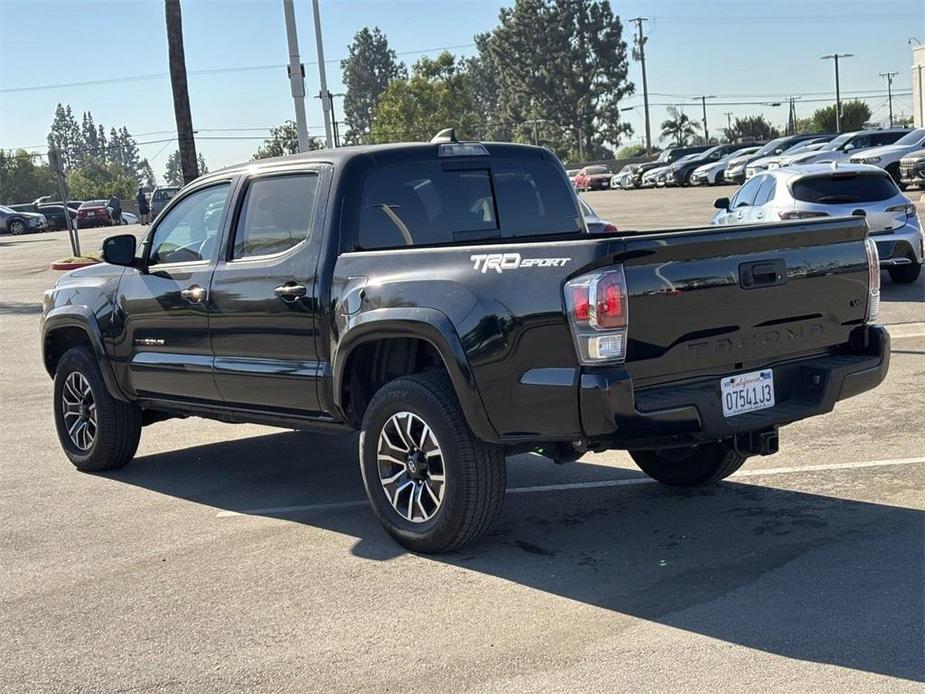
[
  {"x": 325, "y": 98},
  {"x": 836, "y": 57},
  {"x": 296, "y": 76},
  {"x": 889, "y": 90}
]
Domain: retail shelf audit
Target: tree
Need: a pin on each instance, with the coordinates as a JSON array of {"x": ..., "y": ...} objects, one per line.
[
  {"x": 854, "y": 114},
  {"x": 95, "y": 179},
  {"x": 678, "y": 128},
  {"x": 64, "y": 135},
  {"x": 751, "y": 127},
  {"x": 633, "y": 151},
  {"x": 284, "y": 139},
  {"x": 181, "y": 107},
  {"x": 561, "y": 67},
  {"x": 173, "y": 171},
  {"x": 145, "y": 174},
  {"x": 22, "y": 179},
  {"x": 368, "y": 69},
  {"x": 437, "y": 95}
]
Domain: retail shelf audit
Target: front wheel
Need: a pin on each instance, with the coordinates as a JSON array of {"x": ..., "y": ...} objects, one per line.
[
  {"x": 96, "y": 431},
  {"x": 433, "y": 485},
  {"x": 692, "y": 466},
  {"x": 17, "y": 227},
  {"x": 905, "y": 274}
]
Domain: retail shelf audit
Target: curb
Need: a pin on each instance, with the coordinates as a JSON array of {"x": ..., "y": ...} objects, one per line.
[{"x": 73, "y": 266}]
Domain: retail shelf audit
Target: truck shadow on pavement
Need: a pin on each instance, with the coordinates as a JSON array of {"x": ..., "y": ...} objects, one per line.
[{"x": 806, "y": 576}]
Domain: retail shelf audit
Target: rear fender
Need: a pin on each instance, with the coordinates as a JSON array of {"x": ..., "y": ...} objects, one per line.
[{"x": 426, "y": 324}]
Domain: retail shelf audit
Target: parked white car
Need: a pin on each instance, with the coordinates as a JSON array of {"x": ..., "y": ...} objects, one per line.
[
  {"x": 887, "y": 157},
  {"x": 846, "y": 145},
  {"x": 835, "y": 190},
  {"x": 772, "y": 161},
  {"x": 711, "y": 173}
]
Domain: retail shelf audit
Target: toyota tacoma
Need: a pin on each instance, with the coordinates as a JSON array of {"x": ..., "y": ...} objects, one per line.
[{"x": 446, "y": 300}]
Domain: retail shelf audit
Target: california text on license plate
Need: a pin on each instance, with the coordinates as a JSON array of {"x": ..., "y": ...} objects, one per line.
[{"x": 747, "y": 392}]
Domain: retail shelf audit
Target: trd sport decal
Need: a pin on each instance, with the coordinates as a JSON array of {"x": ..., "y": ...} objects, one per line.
[{"x": 500, "y": 262}]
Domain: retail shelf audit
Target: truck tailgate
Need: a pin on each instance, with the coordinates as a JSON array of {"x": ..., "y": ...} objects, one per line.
[{"x": 726, "y": 299}]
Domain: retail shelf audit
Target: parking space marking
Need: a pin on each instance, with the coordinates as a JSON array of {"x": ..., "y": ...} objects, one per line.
[
  {"x": 277, "y": 510},
  {"x": 899, "y": 331}
]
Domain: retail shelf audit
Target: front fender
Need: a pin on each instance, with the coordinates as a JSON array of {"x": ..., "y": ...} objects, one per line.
[
  {"x": 423, "y": 323},
  {"x": 82, "y": 317}
]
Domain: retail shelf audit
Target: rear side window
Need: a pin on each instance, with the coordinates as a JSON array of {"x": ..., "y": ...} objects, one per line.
[
  {"x": 746, "y": 194},
  {"x": 766, "y": 192},
  {"x": 424, "y": 203},
  {"x": 844, "y": 188},
  {"x": 276, "y": 214}
]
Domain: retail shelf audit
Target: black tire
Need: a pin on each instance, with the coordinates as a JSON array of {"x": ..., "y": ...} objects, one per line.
[
  {"x": 893, "y": 170},
  {"x": 118, "y": 424},
  {"x": 690, "y": 467},
  {"x": 905, "y": 274},
  {"x": 16, "y": 226},
  {"x": 474, "y": 471}
]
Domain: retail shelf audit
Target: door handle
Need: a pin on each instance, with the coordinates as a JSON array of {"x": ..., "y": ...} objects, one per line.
[
  {"x": 290, "y": 292},
  {"x": 193, "y": 294}
]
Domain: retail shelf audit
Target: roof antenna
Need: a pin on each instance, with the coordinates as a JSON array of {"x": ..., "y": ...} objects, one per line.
[{"x": 445, "y": 136}]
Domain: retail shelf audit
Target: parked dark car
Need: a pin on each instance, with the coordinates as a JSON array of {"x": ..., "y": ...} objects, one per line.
[
  {"x": 54, "y": 213},
  {"x": 679, "y": 173},
  {"x": 912, "y": 169},
  {"x": 15, "y": 221},
  {"x": 447, "y": 301},
  {"x": 94, "y": 213},
  {"x": 667, "y": 156}
]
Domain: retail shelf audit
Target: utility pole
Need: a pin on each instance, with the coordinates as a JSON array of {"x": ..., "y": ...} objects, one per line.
[
  {"x": 54, "y": 162},
  {"x": 836, "y": 57},
  {"x": 325, "y": 98},
  {"x": 703, "y": 102},
  {"x": 296, "y": 76},
  {"x": 728, "y": 115},
  {"x": 640, "y": 55},
  {"x": 181, "y": 108},
  {"x": 889, "y": 90}
]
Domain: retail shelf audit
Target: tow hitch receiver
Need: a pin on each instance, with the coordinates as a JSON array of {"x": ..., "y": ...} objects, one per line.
[{"x": 757, "y": 442}]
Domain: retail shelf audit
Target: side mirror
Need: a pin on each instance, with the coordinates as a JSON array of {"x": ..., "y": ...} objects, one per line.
[
  {"x": 119, "y": 250},
  {"x": 721, "y": 203},
  {"x": 849, "y": 147}
]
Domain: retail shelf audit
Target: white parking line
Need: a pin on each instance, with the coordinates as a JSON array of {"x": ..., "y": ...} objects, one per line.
[
  {"x": 272, "y": 511},
  {"x": 899, "y": 331}
]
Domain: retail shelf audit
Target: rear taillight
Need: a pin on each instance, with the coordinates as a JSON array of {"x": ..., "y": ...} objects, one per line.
[
  {"x": 873, "y": 272},
  {"x": 609, "y": 228},
  {"x": 597, "y": 310},
  {"x": 908, "y": 208},
  {"x": 802, "y": 214}
]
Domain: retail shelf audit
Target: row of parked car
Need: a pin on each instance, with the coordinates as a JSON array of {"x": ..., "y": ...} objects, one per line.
[
  {"x": 898, "y": 151},
  {"x": 45, "y": 214}
]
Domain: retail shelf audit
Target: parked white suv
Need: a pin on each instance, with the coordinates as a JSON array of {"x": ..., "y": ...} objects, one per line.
[
  {"x": 846, "y": 145},
  {"x": 887, "y": 157}
]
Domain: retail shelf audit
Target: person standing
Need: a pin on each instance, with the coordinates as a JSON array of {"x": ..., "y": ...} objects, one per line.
[
  {"x": 115, "y": 207},
  {"x": 143, "y": 208}
]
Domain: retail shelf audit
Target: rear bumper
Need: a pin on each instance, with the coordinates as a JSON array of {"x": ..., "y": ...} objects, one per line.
[
  {"x": 737, "y": 177},
  {"x": 613, "y": 411},
  {"x": 900, "y": 247}
]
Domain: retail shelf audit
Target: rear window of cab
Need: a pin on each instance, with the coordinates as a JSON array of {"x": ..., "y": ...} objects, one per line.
[{"x": 443, "y": 202}]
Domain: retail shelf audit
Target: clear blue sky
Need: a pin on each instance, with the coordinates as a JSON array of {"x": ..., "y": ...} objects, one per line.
[{"x": 739, "y": 51}]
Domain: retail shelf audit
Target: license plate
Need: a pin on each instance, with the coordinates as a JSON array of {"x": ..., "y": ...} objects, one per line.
[{"x": 747, "y": 392}]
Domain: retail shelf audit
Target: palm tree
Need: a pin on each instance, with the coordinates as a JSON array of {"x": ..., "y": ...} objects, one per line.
[
  {"x": 678, "y": 129},
  {"x": 181, "y": 109}
]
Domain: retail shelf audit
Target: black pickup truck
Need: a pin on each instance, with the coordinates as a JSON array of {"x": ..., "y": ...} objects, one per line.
[{"x": 446, "y": 300}]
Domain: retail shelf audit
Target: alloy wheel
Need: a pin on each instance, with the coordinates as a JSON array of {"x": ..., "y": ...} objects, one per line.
[
  {"x": 412, "y": 470},
  {"x": 79, "y": 409}
]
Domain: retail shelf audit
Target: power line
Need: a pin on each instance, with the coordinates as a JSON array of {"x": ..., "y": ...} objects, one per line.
[{"x": 205, "y": 71}]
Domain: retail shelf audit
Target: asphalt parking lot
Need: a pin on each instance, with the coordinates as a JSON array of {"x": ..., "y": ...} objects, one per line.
[{"x": 244, "y": 558}]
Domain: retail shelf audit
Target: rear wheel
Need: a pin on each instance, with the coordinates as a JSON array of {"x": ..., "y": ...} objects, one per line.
[
  {"x": 96, "y": 431},
  {"x": 433, "y": 485},
  {"x": 893, "y": 170},
  {"x": 905, "y": 274},
  {"x": 692, "y": 466}
]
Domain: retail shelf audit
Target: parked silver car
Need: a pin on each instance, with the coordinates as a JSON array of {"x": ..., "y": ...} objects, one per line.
[
  {"x": 19, "y": 222},
  {"x": 835, "y": 190}
]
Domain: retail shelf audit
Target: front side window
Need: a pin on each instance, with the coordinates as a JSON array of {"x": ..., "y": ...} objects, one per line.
[
  {"x": 189, "y": 231},
  {"x": 276, "y": 214}
]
